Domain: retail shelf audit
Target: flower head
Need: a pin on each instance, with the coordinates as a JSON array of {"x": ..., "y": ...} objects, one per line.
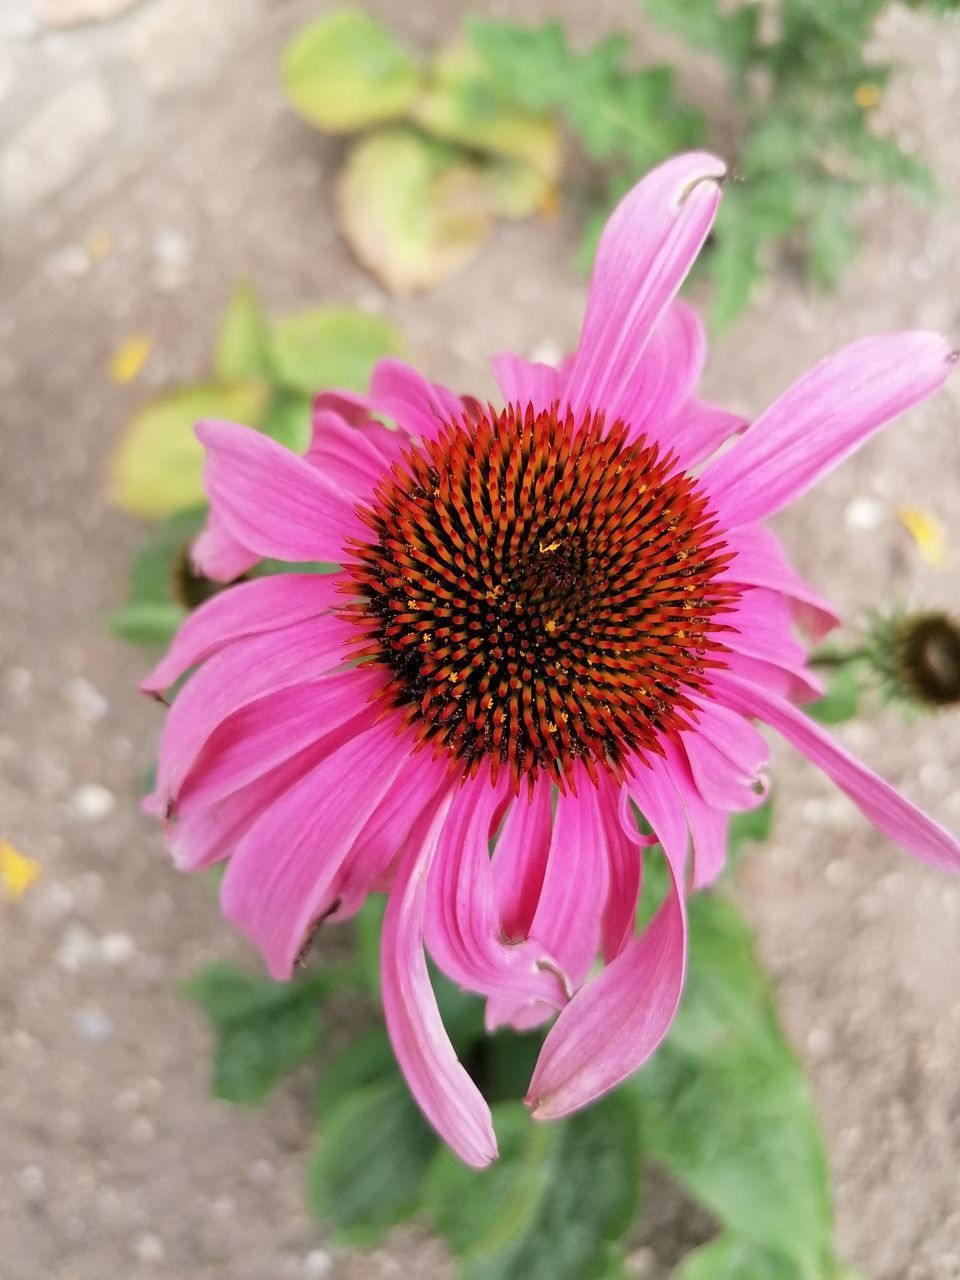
[{"x": 549, "y": 615}]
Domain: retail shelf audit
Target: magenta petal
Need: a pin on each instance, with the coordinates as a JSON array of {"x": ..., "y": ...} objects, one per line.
[
  {"x": 271, "y": 500},
  {"x": 646, "y": 250},
  {"x": 708, "y": 826},
  {"x": 525, "y": 383},
  {"x": 760, "y": 562},
  {"x": 462, "y": 925},
  {"x": 698, "y": 429},
  {"x": 217, "y": 554},
  {"x": 244, "y": 610},
  {"x": 615, "y": 1022},
  {"x": 401, "y": 393},
  {"x": 626, "y": 877},
  {"x": 352, "y": 457},
  {"x": 762, "y": 631},
  {"x": 666, "y": 375},
  {"x": 446, "y": 1094},
  {"x": 889, "y": 812},
  {"x": 727, "y": 756},
  {"x": 520, "y": 860},
  {"x": 567, "y": 920},
  {"x": 822, "y": 419},
  {"x": 281, "y": 879},
  {"x": 250, "y": 668}
]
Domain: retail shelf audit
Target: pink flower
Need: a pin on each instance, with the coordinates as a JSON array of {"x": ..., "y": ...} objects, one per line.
[{"x": 548, "y": 616}]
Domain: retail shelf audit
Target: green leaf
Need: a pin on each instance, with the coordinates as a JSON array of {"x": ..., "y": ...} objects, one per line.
[
  {"x": 464, "y": 103},
  {"x": 752, "y": 825},
  {"x": 728, "y": 1258},
  {"x": 368, "y": 1060},
  {"x": 264, "y": 1029},
  {"x": 345, "y": 72},
  {"x": 841, "y": 701},
  {"x": 553, "y": 1204},
  {"x": 156, "y": 467},
  {"x": 726, "y": 1107},
  {"x": 832, "y": 238},
  {"x": 243, "y": 343},
  {"x": 330, "y": 347},
  {"x": 147, "y": 622},
  {"x": 516, "y": 189},
  {"x": 412, "y": 211},
  {"x": 287, "y": 419},
  {"x": 370, "y": 1160},
  {"x": 702, "y": 22}
]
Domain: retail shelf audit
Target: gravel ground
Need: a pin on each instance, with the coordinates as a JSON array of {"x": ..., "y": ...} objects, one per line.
[{"x": 148, "y": 162}]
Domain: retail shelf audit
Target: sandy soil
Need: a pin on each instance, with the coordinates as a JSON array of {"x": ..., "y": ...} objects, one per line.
[{"x": 114, "y": 1162}]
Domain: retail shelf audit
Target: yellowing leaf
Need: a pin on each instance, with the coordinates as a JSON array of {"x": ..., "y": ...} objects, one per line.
[
  {"x": 346, "y": 72},
  {"x": 517, "y": 189},
  {"x": 411, "y": 210},
  {"x": 330, "y": 347},
  {"x": 463, "y": 104},
  {"x": 157, "y": 466},
  {"x": 927, "y": 533},
  {"x": 17, "y": 871},
  {"x": 129, "y": 358}
]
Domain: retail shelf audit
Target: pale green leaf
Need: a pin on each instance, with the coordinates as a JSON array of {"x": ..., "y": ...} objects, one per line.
[
  {"x": 411, "y": 210},
  {"x": 330, "y": 347},
  {"x": 156, "y": 467},
  {"x": 243, "y": 342},
  {"x": 345, "y": 72}
]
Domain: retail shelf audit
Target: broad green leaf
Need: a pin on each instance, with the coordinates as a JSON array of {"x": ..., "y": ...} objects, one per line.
[
  {"x": 728, "y": 1258},
  {"x": 705, "y": 23},
  {"x": 553, "y": 1204},
  {"x": 841, "y": 700},
  {"x": 147, "y": 622},
  {"x": 464, "y": 103},
  {"x": 370, "y": 1160},
  {"x": 752, "y": 825},
  {"x": 726, "y": 1107},
  {"x": 243, "y": 342},
  {"x": 264, "y": 1029},
  {"x": 368, "y": 1060},
  {"x": 345, "y": 72},
  {"x": 330, "y": 347},
  {"x": 156, "y": 467},
  {"x": 531, "y": 64},
  {"x": 832, "y": 238},
  {"x": 287, "y": 419},
  {"x": 412, "y": 211}
]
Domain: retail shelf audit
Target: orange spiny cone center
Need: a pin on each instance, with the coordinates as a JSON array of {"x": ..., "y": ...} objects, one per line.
[{"x": 542, "y": 592}]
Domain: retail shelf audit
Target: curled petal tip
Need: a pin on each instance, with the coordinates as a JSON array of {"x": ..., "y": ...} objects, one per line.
[{"x": 720, "y": 179}]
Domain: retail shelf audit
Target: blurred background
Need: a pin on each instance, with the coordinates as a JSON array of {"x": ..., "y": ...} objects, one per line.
[{"x": 148, "y": 161}]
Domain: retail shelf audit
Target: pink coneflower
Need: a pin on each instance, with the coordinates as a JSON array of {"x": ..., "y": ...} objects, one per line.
[{"x": 548, "y": 616}]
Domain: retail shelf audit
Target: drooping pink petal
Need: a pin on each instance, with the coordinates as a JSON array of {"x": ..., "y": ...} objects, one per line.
[
  {"x": 567, "y": 919},
  {"x": 666, "y": 374},
  {"x": 447, "y": 1096},
  {"x": 217, "y": 554},
  {"x": 250, "y": 668},
  {"x": 889, "y": 812},
  {"x": 698, "y": 429},
  {"x": 354, "y": 457},
  {"x": 519, "y": 1015},
  {"x": 625, "y": 875},
  {"x": 462, "y": 926},
  {"x": 281, "y": 878},
  {"x": 401, "y": 393},
  {"x": 520, "y": 860},
  {"x": 646, "y": 250},
  {"x": 526, "y": 383},
  {"x": 727, "y": 757},
  {"x": 264, "y": 733},
  {"x": 708, "y": 826},
  {"x": 799, "y": 685},
  {"x": 761, "y": 622},
  {"x": 822, "y": 419},
  {"x": 273, "y": 501},
  {"x": 385, "y": 834},
  {"x": 615, "y": 1022},
  {"x": 760, "y": 562},
  {"x": 244, "y": 610}
]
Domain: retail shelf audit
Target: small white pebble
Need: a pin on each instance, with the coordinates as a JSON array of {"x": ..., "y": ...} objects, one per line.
[
  {"x": 819, "y": 1040},
  {"x": 149, "y": 1247},
  {"x": 86, "y": 700},
  {"x": 317, "y": 1264},
  {"x": 91, "y": 802},
  {"x": 262, "y": 1173},
  {"x": 143, "y": 1130},
  {"x": 864, "y": 513},
  {"x": 94, "y": 1025},
  {"x": 17, "y": 681},
  {"x": 78, "y": 948},
  {"x": 116, "y": 948},
  {"x": 547, "y": 352},
  {"x": 32, "y": 1183}
]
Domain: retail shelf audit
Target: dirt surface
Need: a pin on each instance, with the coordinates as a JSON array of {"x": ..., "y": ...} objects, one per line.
[{"x": 147, "y": 162}]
